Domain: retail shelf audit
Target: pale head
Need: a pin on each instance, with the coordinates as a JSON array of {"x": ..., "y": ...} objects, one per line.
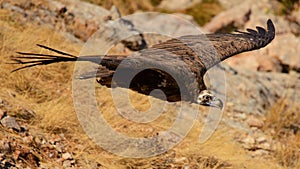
[{"x": 206, "y": 98}]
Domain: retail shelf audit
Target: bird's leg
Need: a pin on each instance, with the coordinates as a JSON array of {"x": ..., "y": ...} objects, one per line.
[{"x": 206, "y": 98}]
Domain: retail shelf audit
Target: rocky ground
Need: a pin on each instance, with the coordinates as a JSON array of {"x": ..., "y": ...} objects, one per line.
[{"x": 261, "y": 120}]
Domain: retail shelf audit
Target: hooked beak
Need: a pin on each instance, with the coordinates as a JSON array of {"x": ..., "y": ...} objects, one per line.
[{"x": 206, "y": 98}]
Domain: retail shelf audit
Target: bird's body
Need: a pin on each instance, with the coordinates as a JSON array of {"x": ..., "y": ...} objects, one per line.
[{"x": 164, "y": 63}]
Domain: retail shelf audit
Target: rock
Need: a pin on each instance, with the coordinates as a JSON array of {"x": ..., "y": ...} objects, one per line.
[
  {"x": 39, "y": 140},
  {"x": 260, "y": 92},
  {"x": 241, "y": 116},
  {"x": 67, "y": 156},
  {"x": 256, "y": 61},
  {"x": 163, "y": 26},
  {"x": 5, "y": 146},
  {"x": 273, "y": 57},
  {"x": 44, "y": 166},
  {"x": 232, "y": 18},
  {"x": 261, "y": 140},
  {"x": 260, "y": 152},
  {"x": 28, "y": 139},
  {"x": 295, "y": 22},
  {"x": 229, "y": 4},
  {"x": 265, "y": 146},
  {"x": 249, "y": 140},
  {"x": 295, "y": 15},
  {"x": 180, "y": 159},
  {"x": 67, "y": 164},
  {"x": 10, "y": 122},
  {"x": 176, "y": 5},
  {"x": 59, "y": 147},
  {"x": 288, "y": 56},
  {"x": 259, "y": 17},
  {"x": 248, "y": 15},
  {"x": 254, "y": 122},
  {"x": 2, "y": 114}
]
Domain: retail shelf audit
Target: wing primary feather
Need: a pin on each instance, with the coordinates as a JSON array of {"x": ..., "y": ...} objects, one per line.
[
  {"x": 241, "y": 32},
  {"x": 35, "y": 54},
  {"x": 271, "y": 29},
  {"x": 252, "y": 32},
  {"x": 261, "y": 30},
  {"x": 27, "y": 66}
]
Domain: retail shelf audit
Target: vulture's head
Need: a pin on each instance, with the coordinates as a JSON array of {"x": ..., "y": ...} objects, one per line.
[{"x": 206, "y": 98}]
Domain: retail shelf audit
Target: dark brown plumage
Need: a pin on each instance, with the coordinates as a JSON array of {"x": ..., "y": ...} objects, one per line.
[{"x": 166, "y": 65}]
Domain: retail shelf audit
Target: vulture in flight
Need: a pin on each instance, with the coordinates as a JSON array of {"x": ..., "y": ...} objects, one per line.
[{"x": 166, "y": 65}]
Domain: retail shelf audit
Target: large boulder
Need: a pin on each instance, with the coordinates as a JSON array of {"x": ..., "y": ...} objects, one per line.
[{"x": 175, "y": 5}]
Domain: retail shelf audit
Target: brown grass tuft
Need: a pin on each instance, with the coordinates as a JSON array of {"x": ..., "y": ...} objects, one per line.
[
  {"x": 204, "y": 11},
  {"x": 283, "y": 123}
]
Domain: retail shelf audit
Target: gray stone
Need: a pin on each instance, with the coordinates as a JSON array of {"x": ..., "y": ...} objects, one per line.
[
  {"x": 10, "y": 122},
  {"x": 161, "y": 27},
  {"x": 288, "y": 54},
  {"x": 254, "y": 122},
  {"x": 67, "y": 163},
  {"x": 241, "y": 116},
  {"x": 228, "y": 4},
  {"x": 249, "y": 140},
  {"x": 265, "y": 146},
  {"x": 260, "y": 152},
  {"x": 262, "y": 88},
  {"x": 261, "y": 140},
  {"x": 234, "y": 17},
  {"x": 176, "y": 5},
  {"x": 67, "y": 156}
]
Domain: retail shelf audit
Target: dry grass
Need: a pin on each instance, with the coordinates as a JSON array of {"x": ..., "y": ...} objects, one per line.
[
  {"x": 283, "y": 123},
  {"x": 287, "y": 6},
  {"x": 203, "y": 12},
  {"x": 47, "y": 90}
]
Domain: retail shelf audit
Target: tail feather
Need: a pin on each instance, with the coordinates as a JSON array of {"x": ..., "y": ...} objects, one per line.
[
  {"x": 34, "y": 59},
  {"x": 28, "y": 59},
  {"x": 24, "y": 67},
  {"x": 56, "y": 51}
]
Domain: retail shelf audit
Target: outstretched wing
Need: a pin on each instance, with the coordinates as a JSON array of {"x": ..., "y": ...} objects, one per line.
[
  {"x": 229, "y": 45},
  {"x": 203, "y": 51},
  {"x": 210, "y": 49},
  {"x": 197, "y": 53}
]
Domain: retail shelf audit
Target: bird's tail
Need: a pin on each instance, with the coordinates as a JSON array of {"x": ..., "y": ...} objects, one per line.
[
  {"x": 34, "y": 59},
  {"x": 29, "y": 59}
]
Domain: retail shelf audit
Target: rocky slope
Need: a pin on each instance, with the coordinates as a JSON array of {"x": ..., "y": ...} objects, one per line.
[{"x": 261, "y": 114}]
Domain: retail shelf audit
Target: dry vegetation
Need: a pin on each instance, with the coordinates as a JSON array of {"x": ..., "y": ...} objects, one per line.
[
  {"x": 47, "y": 91},
  {"x": 282, "y": 123},
  {"x": 204, "y": 11}
]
